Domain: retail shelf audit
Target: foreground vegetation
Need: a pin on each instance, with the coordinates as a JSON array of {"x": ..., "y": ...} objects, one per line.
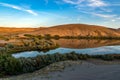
[{"x": 13, "y": 66}]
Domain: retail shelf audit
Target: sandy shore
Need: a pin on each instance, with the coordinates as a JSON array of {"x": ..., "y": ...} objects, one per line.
[{"x": 75, "y": 70}]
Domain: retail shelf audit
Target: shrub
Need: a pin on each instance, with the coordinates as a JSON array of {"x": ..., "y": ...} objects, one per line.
[
  {"x": 9, "y": 65},
  {"x": 107, "y": 57},
  {"x": 56, "y": 37}
]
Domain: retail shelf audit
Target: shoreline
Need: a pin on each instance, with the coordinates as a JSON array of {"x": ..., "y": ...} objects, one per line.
[{"x": 65, "y": 70}]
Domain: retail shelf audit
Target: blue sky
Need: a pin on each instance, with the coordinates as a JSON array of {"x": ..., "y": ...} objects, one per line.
[{"x": 40, "y": 13}]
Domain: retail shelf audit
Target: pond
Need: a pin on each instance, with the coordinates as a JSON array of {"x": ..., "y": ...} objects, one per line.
[{"x": 78, "y": 46}]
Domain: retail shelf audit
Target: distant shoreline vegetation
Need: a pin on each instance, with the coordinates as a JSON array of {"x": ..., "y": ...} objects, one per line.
[
  {"x": 33, "y": 43},
  {"x": 13, "y": 66},
  {"x": 48, "y": 36}
]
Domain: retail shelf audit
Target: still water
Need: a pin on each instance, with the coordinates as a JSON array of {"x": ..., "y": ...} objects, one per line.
[{"x": 78, "y": 46}]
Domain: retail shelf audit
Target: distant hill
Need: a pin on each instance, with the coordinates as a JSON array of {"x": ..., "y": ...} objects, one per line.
[
  {"x": 78, "y": 30},
  {"x": 64, "y": 30},
  {"x": 11, "y": 31},
  {"x": 119, "y": 29}
]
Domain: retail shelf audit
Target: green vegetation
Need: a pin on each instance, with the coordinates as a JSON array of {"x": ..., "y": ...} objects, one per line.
[
  {"x": 12, "y": 66},
  {"x": 9, "y": 65},
  {"x": 32, "y": 44}
]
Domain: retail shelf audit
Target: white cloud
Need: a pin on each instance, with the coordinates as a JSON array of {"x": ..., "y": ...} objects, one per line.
[
  {"x": 104, "y": 15},
  {"x": 99, "y": 8},
  {"x": 108, "y": 17},
  {"x": 31, "y": 12},
  {"x": 11, "y": 6},
  {"x": 97, "y": 3},
  {"x": 90, "y": 3},
  {"x": 73, "y": 1},
  {"x": 113, "y": 20},
  {"x": 18, "y": 8}
]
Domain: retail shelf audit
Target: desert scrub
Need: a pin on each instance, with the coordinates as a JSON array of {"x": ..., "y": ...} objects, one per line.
[
  {"x": 13, "y": 66},
  {"x": 9, "y": 65},
  {"x": 34, "y": 44}
]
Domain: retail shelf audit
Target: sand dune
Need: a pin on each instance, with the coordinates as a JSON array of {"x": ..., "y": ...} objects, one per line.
[
  {"x": 78, "y": 30},
  {"x": 64, "y": 30}
]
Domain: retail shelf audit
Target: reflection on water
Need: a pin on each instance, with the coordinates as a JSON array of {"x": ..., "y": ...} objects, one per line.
[
  {"x": 90, "y": 51},
  {"x": 79, "y": 46},
  {"x": 85, "y": 43}
]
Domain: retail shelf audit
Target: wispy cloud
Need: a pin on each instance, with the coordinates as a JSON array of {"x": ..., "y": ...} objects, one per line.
[
  {"x": 73, "y": 1},
  {"x": 98, "y": 8},
  {"x": 102, "y": 5},
  {"x": 90, "y": 3},
  {"x": 18, "y": 8},
  {"x": 97, "y": 3},
  {"x": 109, "y": 17},
  {"x": 31, "y": 12},
  {"x": 104, "y": 15}
]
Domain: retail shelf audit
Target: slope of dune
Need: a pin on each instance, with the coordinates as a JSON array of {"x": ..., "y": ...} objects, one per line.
[
  {"x": 10, "y": 31},
  {"x": 64, "y": 30},
  {"x": 78, "y": 30}
]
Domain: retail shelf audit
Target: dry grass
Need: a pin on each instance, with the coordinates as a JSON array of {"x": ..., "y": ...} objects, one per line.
[{"x": 8, "y": 31}]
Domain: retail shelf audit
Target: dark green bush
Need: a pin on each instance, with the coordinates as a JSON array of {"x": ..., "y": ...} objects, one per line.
[
  {"x": 108, "y": 57},
  {"x": 9, "y": 65},
  {"x": 56, "y": 37}
]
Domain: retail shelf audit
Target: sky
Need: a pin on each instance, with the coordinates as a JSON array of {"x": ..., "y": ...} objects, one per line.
[{"x": 45, "y": 13}]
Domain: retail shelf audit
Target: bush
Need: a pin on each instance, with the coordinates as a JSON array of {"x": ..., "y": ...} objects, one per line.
[
  {"x": 56, "y": 37},
  {"x": 47, "y": 36},
  {"x": 108, "y": 57},
  {"x": 9, "y": 65},
  {"x": 28, "y": 35}
]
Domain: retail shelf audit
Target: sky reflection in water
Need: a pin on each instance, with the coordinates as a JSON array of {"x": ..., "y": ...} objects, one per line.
[{"x": 98, "y": 50}]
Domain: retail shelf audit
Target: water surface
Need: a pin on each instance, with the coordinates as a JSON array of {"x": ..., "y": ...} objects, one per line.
[{"x": 79, "y": 46}]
